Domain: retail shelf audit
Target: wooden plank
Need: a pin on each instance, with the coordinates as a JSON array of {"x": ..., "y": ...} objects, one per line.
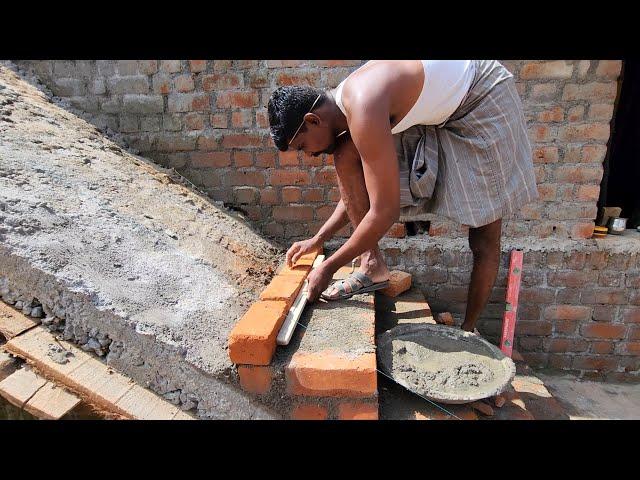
[
  {"x": 14, "y": 322},
  {"x": 141, "y": 404},
  {"x": 511, "y": 311},
  {"x": 51, "y": 402},
  {"x": 85, "y": 375},
  {"x": 20, "y": 386}
]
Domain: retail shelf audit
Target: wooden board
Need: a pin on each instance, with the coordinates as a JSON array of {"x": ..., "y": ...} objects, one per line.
[
  {"x": 51, "y": 402},
  {"x": 20, "y": 386},
  {"x": 13, "y": 322},
  {"x": 91, "y": 379}
]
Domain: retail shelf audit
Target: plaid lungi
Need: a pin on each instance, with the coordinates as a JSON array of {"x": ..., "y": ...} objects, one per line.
[{"x": 476, "y": 167}]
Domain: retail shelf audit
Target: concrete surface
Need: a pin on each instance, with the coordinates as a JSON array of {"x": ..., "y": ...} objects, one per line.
[
  {"x": 593, "y": 400},
  {"x": 121, "y": 258}
]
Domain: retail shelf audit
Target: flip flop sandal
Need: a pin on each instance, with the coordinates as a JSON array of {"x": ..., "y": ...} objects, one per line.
[{"x": 355, "y": 279}]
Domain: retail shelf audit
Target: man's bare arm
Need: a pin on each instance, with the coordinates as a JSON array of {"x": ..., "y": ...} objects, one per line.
[{"x": 372, "y": 137}]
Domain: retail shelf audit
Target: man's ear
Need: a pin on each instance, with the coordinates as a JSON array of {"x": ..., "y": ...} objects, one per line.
[{"x": 312, "y": 118}]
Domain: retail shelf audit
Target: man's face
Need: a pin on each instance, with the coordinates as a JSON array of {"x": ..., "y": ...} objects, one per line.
[{"x": 314, "y": 139}]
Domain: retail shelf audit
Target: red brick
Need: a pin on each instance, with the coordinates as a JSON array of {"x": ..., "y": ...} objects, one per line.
[
  {"x": 580, "y": 173},
  {"x": 161, "y": 84},
  {"x": 602, "y": 330},
  {"x": 331, "y": 374},
  {"x": 584, "y": 132},
  {"x": 571, "y": 278},
  {"x": 325, "y": 176},
  {"x": 194, "y": 121},
  {"x": 201, "y": 102},
  {"x": 634, "y": 332},
  {"x": 603, "y": 296},
  {"x": 555, "y": 114},
  {"x": 590, "y": 91},
  {"x": 284, "y": 288},
  {"x": 313, "y": 195},
  {"x": 602, "y": 348},
  {"x": 288, "y": 158},
  {"x": 298, "y": 78},
  {"x": 286, "y": 63},
  {"x": 262, "y": 119},
  {"x": 242, "y": 159},
  {"x": 170, "y": 66},
  {"x": 245, "y": 195},
  {"x": 596, "y": 260},
  {"x": 221, "y": 81},
  {"x": 560, "y": 361},
  {"x": 184, "y": 83},
  {"x": 291, "y": 194},
  {"x": 565, "y": 327},
  {"x": 242, "y": 119},
  {"x": 237, "y": 99},
  {"x": 241, "y": 140},
  {"x": 546, "y": 69},
  {"x": 239, "y": 177},
  {"x": 545, "y": 155},
  {"x": 255, "y": 379},
  {"x": 587, "y": 362},
  {"x": 588, "y": 193},
  {"x": 311, "y": 161},
  {"x": 289, "y": 177},
  {"x": 253, "y": 339},
  {"x": 358, "y": 411},
  {"x": 292, "y": 213},
  {"x": 535, "y": 328},
  {"x": 631, "y": 315},
  {"x": 197, "y": 66},
  {"x": 604, "y": 313},
  {"x": 593, "y": 153},
  {"x": 309, "y": 412},
  {"x": 609, "y": 69},
  {"x": 445, "y": 318},
  {"x": 398, "y": 282},
  {"x": 558, "y": 345},
  {"x": 397, "y": 230},
  {"x": 540, "y": 133},
  {"x": 269, "y": 196},
  {"x": 575, "y": 114},
  {"x": 219, "y": 120},
  {"x": 210, "y": 159},
  {"x": 567, "y": 312}
]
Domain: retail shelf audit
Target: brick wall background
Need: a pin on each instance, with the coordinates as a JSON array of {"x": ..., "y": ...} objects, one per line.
[
  {"x": 579, "y": 305},
  {"x": 207, "y": 119}
]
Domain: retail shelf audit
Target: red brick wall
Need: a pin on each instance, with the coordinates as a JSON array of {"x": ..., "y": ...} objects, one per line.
[{"x": 207, "y": 119}]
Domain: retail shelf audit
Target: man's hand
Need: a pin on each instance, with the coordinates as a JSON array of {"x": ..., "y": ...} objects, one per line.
[
  {"x": 300, "y": 248},
  {"x": 318, "y": 281}
]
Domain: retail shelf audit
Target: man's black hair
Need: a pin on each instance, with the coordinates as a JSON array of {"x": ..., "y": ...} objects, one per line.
[{"x": 287, "y": 107}]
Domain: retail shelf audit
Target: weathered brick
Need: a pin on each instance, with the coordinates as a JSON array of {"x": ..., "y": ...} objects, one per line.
[
  {"x": 331, "y": 374},
  {"x": 161, "y": 83},
  {"x": 588, "y": 362},
  {"x": 397, "y": 230},
  {"x": 210, "y": 159},
  {"x": 170, "y": 66},
  {"x": 194, "y": 121},
  {"x": 313, "y": 195},
  {"x": 148, "y": 67},
  {"x": 288, "y": 158},
  {"x": 292, "y": 213},
  {"x": 590, "y": 91},
  {"x": 535, "y": 328},
  {"x": 544, "y": 91},
  {"x": 291, "y": 194},
  {"x": 232, "y": 99},
  {"x": 567, "y": 312},
  {"x": 309, "y": 412},
  {"x": 221, "y": 81},
  {"x": 289, "y": 177},
  {"x": 325, "y": 176},
  {"x": 298, "y": 78},
  {"x": 68, "y": 87},
  {"x": 575, "y": 114},
  {"x": 578, "y": 173},
  {"x": 545, "y": 155},
  {"x": 242, "y": 158},
  {"x": 555, "y": 114},
  {"x": 246, "y": 195},
  {"x": 219, "y": 120},
  {"x": 175, "y": 143},
  {"x": 602, "y": 330},
  {"x": 543, "y": 70},
  {"x": 559, "y": 345},
  {"x": 601, "y": 111},
  {"x": 571, "y": 278},
  {"x": 245, "y": 177},
  {"x": 588, "y": 193},
  {"x": 605, "y": 313},
  {"x": 602, "y": 348},
  {"x": 584, "y": 132},
  {"x": 603, "y": 296},
  {"x": 609, "y": 69},
  {"x": 565, "y": 327},
  {"x": 197, "y": 66},
  {"x": 131, "y": 85},
  {"x": 540, "y": 133},
  {"x": 631, "y": 314},
  {"x": 269, "y": 196},
  {"x": 255, "y": 379},
  {"x": 127, "y": 67},
  {"x": 634, "y": 332},
  {"x": 286, "y": 63},
  {"x": 611, "y": 279},
  {"x": 357, "y": 411},
  {"x": 184, "y": 83},
  {"x": 241, "y": 140}
]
